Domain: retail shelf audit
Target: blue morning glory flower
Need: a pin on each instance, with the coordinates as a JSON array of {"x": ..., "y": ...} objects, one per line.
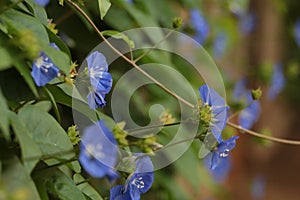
[
  {"x": 219, "y": 45},
  {"x": 218, "y": 109},
  {"x": 43, "y": 69},
  {"x": 98, "y": 151},
  {"x": 139, "y": 182},
  {"x": 297, "y": 32},
  {"x": 247, "y": 22},
  {"x": 42, "y": 2},
  {"x": 249, "y": 115},
  {"x": 200, "y": 25},
  {"x": 100, "y": 79},
  {"x": 218, "y": 161},
  {"x": 277, "y": 82}
]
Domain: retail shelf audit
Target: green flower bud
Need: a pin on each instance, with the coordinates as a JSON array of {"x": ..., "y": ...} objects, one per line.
[
  {"x": 256, "y": 94},
  {"x": 120, "y": 134},
  {"x": 177, "y": 22},
  {"x": 73, "y": 134}
]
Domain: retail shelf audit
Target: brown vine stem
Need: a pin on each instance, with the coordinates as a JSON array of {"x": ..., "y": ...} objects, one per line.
[
  {"x": 127, "y": 59},
  {"x": 274, "y": 139}
]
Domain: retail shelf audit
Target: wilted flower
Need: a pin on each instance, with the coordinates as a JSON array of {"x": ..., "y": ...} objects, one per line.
[{"x": 43, "y": 69}]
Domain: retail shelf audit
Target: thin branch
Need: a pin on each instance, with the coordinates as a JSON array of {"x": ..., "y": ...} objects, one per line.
[
  {"x": 274, "y": 139},
  {"x": 127, "y": 59}
]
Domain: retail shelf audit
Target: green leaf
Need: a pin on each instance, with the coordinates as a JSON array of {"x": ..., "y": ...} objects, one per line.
[
  {"x": 119, "y": 35},
  {"x": 4, "y": 117},
  {"x": 46, "y": 132},
  {"x": 58, "y": 184},
  {"x": 17, "y": 181},
  {"x": 31, "y": 152},
  {"x": 54, "y": 105},
  {"x": 19, "y": 21},
  {"x": 86, "y": 188},
  {"x": 57, "y": 40},
  {"x": 6, "y": 60},
  {"x": 38, "y": 11},
  {"x": 104, "y": 6},
  {"x": 59, "y": 58},
  {"x": 25, "y": 72}
]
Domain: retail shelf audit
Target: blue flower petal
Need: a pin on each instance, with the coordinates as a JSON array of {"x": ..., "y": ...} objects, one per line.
[
  {"x": 218, "y": 161},
  {"x": 297, "y": 32},
  {"x": 97, "y": 62},
  {"x": 98, "y": 153},
  {"x": 101, "y": 81},
  {"x": 247, "y": 23},
  {"x": 219, "y": 45},
  {"x": 96, "y": 100},
  {"x": 117, "y": 193},
  {"x": 42, "y": 2},
  {"x": 277, "y": 82},
  {"x": 200, "y": 25},
  {"x": 43, "y": 69},
  {"x": 249, "y": 115}
]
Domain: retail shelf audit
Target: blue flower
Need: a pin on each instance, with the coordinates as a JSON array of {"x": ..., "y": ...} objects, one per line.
[
  {"x": 42, "y": 2},
  {"x": 218, "y": 109},
  {"x": 249, "y": 115},
  {"x": 98, "y": 151},
  {"x": 218, "y": 161},
  {"x": 297, "y": 32},
  {"x": 43, "y": 69},
  {"x": 277, "y": 82},
  {"x": 100, "y": 79},
  {"x": 200, "y": 25},
  {"x": 219, "y": 45},
  {"x": 137, "y": 183},
  {"x": 247, "y": 22}
]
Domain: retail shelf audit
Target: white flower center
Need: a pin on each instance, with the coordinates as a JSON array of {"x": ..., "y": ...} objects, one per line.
[
  {"x": 44, "y": 65},
  {"x": 94, "y": 151},
  {"x": 224, "y": 154},
  {"x": 96, "y": 71},
  {"x": 138, "y": 182}
]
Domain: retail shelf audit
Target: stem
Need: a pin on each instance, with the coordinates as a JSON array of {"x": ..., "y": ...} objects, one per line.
[
  {"x": 274, "y": 139},
  {"x": 127, "y": 59}
]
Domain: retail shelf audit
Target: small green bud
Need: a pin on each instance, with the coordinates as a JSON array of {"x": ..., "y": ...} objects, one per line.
[
  {"x": 73, "y": 134},
  {"x": 256, "y": 94},
  {"x": 120, "y": 134},
  {"x": 177, "y": 22},
  {"x": 61, "y": 2}
]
